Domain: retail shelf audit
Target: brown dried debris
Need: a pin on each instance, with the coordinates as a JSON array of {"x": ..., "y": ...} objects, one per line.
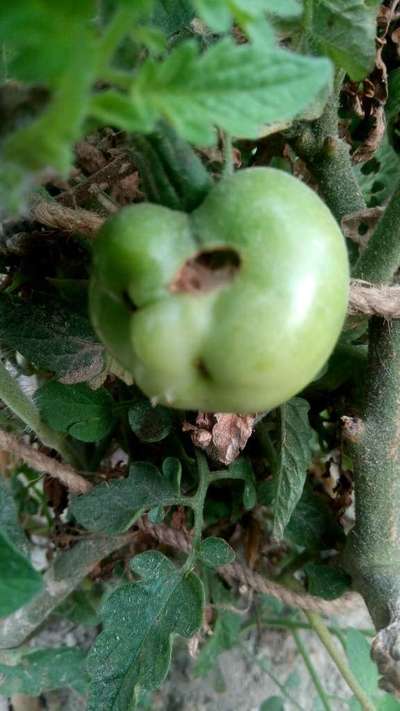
[
  {"x": 368, "y": 102},
  {"x": 222, "y": 435}
]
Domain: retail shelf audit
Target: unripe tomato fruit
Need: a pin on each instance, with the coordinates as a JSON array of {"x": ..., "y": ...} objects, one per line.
[{"x": 234, "y": 307}]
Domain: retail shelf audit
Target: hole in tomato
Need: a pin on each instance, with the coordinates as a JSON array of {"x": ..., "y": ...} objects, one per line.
[{"x": 207, "y": 271}]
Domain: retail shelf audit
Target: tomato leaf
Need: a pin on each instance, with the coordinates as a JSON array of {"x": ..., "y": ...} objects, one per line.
[
  {"x": 241, "y": 469},
  {"x": 19, "y": 582},
  {"x": 43, "y": 670},
  {"x": 52, "y": 335},
  {"x": 274, "y": 703},
  {"x": 77, "y": 410},
  {"x": 359, "y": 655},
  {"x": 139, "y": 621},
  {"x": 294, "y": 459},
  {"x": 326, "y": 581},
  {"x": 150, "y": 423},
  {"x": 215, "y": 552},
  {"x": 9, "y": 524},
  {"x": 113, "y": 506},
  {"x": 346, "y": 31},
  {"x": 197, "y": 92}
]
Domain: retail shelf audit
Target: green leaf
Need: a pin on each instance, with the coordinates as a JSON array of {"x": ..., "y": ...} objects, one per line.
[
  {"x": 150, "y": 423},
  {"x": 346, "y": 31},
  {"x": 113, "y": 506},
  {"x": 388, "y": 703},
  {"x": 19, "y": 582},
  {"x": 215, "y": 13},
  {"x": 290, "y": 8},
  {"x": 9, "y": 524},
  {"x": 241, "y": 469},
  {"x": 215, "y": 552},
  {"x": 274, "y": 703},
  {"x": 53, "y": 336},
  {"x": 139, "y": 620},
  {"x": 197, "y": 92},
  {"x": 79, "y": 607},
  {"x": 172, "y": 15},
  {"x": 359, "y": 655},
  {"x": 312, "y": 524},
  {"x": 77, "y": 410},
  {"x": 325, "y": 581},
  {"x": 42, "y": 670},
  {"x": 56, "y": 31},
  {"x": 294, "y": 459}
]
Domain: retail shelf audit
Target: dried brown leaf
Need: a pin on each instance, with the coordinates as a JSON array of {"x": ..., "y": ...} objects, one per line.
[{"x": 222, "y": 435}]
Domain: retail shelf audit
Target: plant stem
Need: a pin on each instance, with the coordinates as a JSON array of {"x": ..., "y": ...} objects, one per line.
[
  {"x": 290, "y": 624},
  {"x": 328, "y": 158},
  {"x": 372, "y": 554},
  {"x": 381, "y": 258},
  {"x": 23, "y": 407},
  {"x": 324, "y": 635},
  {"x": 313, "y": 674},
  {"x": 228, "y": 155},
  {"x": 197, "y": 504}
]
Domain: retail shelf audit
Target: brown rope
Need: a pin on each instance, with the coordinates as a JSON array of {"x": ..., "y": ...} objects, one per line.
[
  {"x": 52, "y": 214},
  {"x": 374, "y": 300},
  {"x": 254, "y": 581},
  {"x": 42, "y": 463}
]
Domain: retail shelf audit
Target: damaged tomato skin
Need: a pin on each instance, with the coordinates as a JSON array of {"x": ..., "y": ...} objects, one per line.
[{"x": 254, "y": 341}]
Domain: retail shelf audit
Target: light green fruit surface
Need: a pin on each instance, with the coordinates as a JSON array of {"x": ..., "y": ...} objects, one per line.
[{"x": 249, "y": 344}]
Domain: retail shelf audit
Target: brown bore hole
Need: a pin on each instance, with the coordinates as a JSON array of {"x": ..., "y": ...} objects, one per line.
[
  {"x": 131, "y": 306},
  {"x": 207, "y": 271}
]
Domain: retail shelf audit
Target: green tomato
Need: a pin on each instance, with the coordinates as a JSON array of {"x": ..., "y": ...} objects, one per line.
[{"x": 234, "y": 307}]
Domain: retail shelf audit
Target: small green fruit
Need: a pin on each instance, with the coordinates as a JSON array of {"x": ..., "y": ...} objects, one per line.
[{"x": 234, "y": 307}]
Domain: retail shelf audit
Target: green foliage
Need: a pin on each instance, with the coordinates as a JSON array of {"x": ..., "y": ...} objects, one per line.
[
  {"x": 9, "y": 524},
  {"x": 241, "y": 469},
  {"x": 113, "y": 506},
  {"x": 196, "y": 92},
  {"x": 346, "y": 33},
  {"x": 19, "y": 581},
  {"x": 212, "y": 72},
  {"x": 42, "y": 670},
  {"x": 77, "y": 410},
  {"x": 52, "y": 335},
  {"x": 215, "y": 552},
  {"x": 140, "y": 620},
  {"x": 150, "y": 423},
  {"x": 274, "y": 703},
  {"x": 327, "y": 582},
  {"x": 361, "y": 664},
  {"x": 294, "y": 459}
]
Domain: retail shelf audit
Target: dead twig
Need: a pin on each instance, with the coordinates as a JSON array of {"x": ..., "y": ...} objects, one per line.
[{"x": 42, "y": 463}]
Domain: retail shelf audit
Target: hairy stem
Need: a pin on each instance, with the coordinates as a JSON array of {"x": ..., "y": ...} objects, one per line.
[
  {"x": 381, "y": 258},
  {"x": 372, "y": 553},
  {"x": 324, "y": 635},
  {"x": 328, "y": 158},
  {"x": 197, "y": 504}
]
